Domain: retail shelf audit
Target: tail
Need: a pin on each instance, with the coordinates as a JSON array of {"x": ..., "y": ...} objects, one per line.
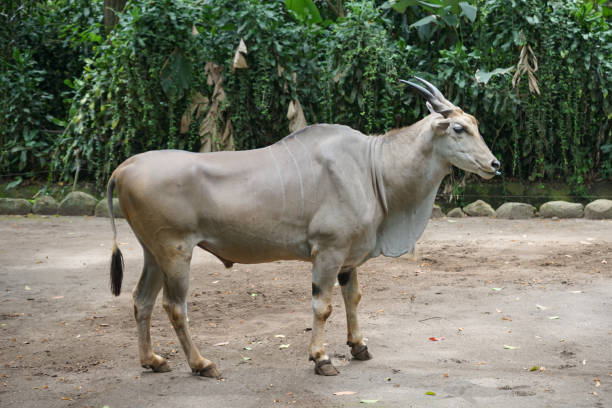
[{"x": 116, "y": 266}]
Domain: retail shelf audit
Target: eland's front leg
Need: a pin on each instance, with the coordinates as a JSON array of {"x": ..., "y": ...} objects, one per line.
[
  {"x": 347, "y": 278},
  {"x": 324, "y": 272}
]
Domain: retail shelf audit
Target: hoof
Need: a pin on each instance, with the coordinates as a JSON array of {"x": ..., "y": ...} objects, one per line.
[
  {"x": 360, "y": 352},
  {"x": 208, "y": 371},
  {"x": 325, "y": 367},
  {"x": 164, "y": 367}
]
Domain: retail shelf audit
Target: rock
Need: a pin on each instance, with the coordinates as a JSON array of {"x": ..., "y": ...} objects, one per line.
[
  {"x": 78, "y": 203},
  {"x": 102, "y": 209},
  {"x": 436, "y": 212},
  {"x": 15, "y": 206},
  {"x": 561, "y": 209},
  {"x": 598, "y": 210},
  {"x": 45, "y": 205},
  {"x": 515, "y": 211},
  {"x": 456, "y": 213},
  {"x": 479, "y": 209}
]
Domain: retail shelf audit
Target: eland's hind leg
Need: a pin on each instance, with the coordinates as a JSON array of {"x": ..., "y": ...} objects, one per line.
[
  {"x": 176, "y": 285},
  {"x": 144, "y": 296},
  {"x": 347, "y": 278}
]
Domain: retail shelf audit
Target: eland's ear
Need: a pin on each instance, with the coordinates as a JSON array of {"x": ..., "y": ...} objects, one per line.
[
  {"x": 429, "y": 107},
  {"x": 439, "y": 126}
]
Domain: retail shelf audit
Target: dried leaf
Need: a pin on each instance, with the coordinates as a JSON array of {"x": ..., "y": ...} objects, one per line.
[
  {"x": 296, "y": 117},
  {"x": 242, "y": 47},
  {"x": 223, "y": 343},
  {"x": 344, "y": 393},
  {"x": 437, "y": 338},
  {"x": 239, "y": 61}
]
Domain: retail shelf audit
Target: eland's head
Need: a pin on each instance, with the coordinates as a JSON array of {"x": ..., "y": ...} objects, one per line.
[{"x": 457, "y": 138}]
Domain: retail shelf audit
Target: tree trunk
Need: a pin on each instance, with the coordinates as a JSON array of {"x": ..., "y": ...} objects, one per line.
[{"x": 111, "y": 8}]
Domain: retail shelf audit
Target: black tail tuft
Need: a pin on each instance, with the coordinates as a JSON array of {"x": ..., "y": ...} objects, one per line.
[{"x": 116, "y": 271}]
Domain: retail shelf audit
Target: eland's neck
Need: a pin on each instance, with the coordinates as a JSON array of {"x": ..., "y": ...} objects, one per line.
[{"x": 411, "y": 168}]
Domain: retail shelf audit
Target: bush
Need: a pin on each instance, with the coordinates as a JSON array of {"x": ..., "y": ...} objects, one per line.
[
  {"x": 151, "y": 84},
  {"x": 45, "y": 44}
]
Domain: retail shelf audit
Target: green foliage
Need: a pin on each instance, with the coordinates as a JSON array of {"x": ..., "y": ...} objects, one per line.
[
  {"x": 45, "y": 43},
  {"x": 22, "y": 115},
  {"x": 126, "y": 93},
  {"x": 133, "y": 92},
  {"x": 305, "y": 10},
  {"x": 282, "y": 57},
  {"x": 558, "y": 134},
  {"x": 360, "y": 70}
]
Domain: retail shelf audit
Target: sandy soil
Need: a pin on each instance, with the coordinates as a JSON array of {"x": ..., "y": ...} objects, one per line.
[{"x": 506, "y": 296}]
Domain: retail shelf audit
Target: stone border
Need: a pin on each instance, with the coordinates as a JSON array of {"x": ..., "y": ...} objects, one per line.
[{"x": 80, "y": 203}]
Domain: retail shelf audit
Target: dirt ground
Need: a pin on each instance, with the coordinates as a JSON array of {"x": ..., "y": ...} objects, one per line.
[{"x": 505, "y": 296}]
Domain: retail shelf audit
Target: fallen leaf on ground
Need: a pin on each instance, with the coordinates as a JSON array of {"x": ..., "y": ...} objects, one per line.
[
  {"x": 430, "y": 393},
  {"x": 436, "y": 338},
  {"x": 247, "y": 348},
  {"x": 26, "y": 287},
  {"x": 57, "y": 297},
  {"x": 554, "y": 317},
  {"x": 284, "y": 346},
  {"x": 279, "y": 336},
  {"x": 344, "y": 393},
  {"x": 507, "y": 347},
  {"x": 496, "y": 289},
  {"x": 223, "y": 343},
  {"x": 534, "y": 368},
  {"x": 245, "y": 358},
  {"x": 541, "y": 307},
  {"x": 368, "y": 401}
]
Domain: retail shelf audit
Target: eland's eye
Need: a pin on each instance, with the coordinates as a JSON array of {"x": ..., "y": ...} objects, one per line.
[{"x": 458, "y": 128}]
